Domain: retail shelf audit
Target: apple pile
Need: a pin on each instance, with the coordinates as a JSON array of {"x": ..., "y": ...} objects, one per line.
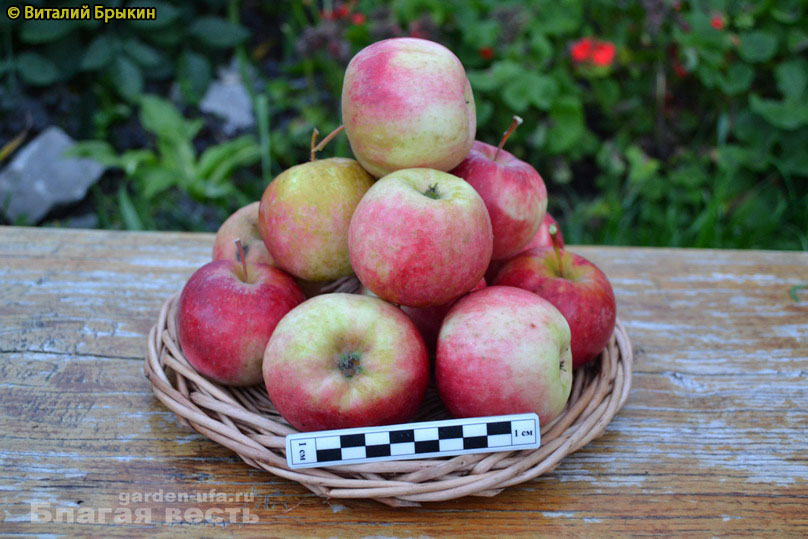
[{"x": 424, "y": 217}]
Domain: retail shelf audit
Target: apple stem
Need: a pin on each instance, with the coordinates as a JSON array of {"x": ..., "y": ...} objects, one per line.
[
  {"x": 432, "y": 192},
  {"x": 324, "y": 142},
  {"x": 516, "y": 122},
  {"x": 314, "y": 135},
  {"x": 553, "y": 230},
  {"x": 242, "y": 256}
]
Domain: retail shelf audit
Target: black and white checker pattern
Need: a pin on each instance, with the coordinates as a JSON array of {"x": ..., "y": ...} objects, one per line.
[{"x": 413, "y": 440}]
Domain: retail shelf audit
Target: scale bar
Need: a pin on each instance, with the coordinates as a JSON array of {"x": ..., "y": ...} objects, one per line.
[{"x": 427, "y": 439}]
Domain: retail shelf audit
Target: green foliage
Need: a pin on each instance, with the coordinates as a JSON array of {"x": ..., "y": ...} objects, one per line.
[
  {"x": 174, "y": 165},
  {"x": 181, "y": 43},
  {"x": 694, "y": 134}
]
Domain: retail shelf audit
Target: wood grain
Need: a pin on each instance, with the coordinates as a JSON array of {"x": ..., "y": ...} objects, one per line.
[{"x": 712, "y": 440}]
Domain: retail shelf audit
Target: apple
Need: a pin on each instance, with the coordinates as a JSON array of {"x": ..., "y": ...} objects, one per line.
[
  {"x": 226, "y": 314},
  {"x": 578, "y": 288},
  {"x": 427, "y": 319},
  {"x": 304, "y": 215},
  {"x": 345, "y": 360},
  {"x": 504, "y": 350},
  {"x": 243, "y": 225},
  {"x": 540, "y": 239},
  {"x": 407, "y": 103},
  {"x": 513, "y": 192},
  {"x": 420, "y": 237}
]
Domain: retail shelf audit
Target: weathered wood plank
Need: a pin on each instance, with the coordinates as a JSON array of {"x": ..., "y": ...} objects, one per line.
[{"x": 711, "y": 441}]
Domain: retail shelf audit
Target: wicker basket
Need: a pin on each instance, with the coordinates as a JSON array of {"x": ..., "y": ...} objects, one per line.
[{"x": 244, "y": 420}]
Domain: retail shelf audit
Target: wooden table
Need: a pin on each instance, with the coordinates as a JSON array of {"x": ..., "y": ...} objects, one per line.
[{"x": 713, "y": 438}]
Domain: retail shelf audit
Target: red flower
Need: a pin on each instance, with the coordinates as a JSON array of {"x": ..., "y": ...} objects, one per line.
[
  {"x": 599, "y": 53},
  {"x": 604, "y": 53},
  {"x": 487, "y": 53},
  {"x": 359, "y": 19},
  {"x": 679, "y": 69},
  {"x": 581, "y": 50},
  {"x": 341, "y": 11},
  {"x": 717, "y": 21}
]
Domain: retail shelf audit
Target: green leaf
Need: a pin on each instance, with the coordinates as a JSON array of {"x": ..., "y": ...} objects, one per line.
[
  {"x": 127, "y": 78},
  {"x": 567, "y": 115},
  {"x": 516, "y": 97},
  {"x": 738, "y": 79},
  {"x": 141, "y": 53},
  {"x": 131, "y": 160},
  {"x": 162, "y": 118},
  {"x": 797, "y": 40},
  {"x": 194, "y": 75},
  {"x": 243, "y": 152},
  {"x": 641, "y": 167},
  {"x": 788, "y": 114},
  {"x": 213, "y": 157},
  {"x": 795, "y": 158},
  {"x": 541, "y": 48},
  {"x": 155, "y": 180},
  {"x": 792, "y": 77},
  {"x": 217, "y": 32},
  {"x": 97, "y": 150},
  {"x": 165, "y": 14},
  {"x": 757, "y": 46},
  {"x": 542, "y": 90},
  {"x": 98, "y": 54},
  {"x": 131, "y": 219},
  {"x": 45, "y": 31},
  {"x": 482, "y": 81},
  {"x": 36, "y": 70}
]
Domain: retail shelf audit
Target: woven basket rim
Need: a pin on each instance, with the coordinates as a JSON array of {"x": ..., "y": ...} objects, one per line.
[{"x": 244, "y": 420}]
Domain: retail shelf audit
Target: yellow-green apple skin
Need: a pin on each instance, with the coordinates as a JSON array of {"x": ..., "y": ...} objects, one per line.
[
  {"x": 304, "y": 216},
  {"x": 504, "y": 350},
  {"x": 407, "y": 103},
  {"x": 420, "y": 237},
  {"x": 242, "y": 225},
  {"x": 343, "y": 361}
]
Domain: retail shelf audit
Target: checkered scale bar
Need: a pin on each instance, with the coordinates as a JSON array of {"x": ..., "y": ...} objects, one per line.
[{"x": 413, "y": 440}]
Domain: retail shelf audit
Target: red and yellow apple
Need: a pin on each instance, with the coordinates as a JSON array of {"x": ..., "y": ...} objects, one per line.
[
  {"x": 577, "y": 288},
  {"x": 503, "y": 350},
  {"x": 243, "y": 225},
  {"x": 345, "y": 360},
  {"x": 420, "y": 237},
  {"x": 407, "y": 103},
  {"x": 226, "y": 316},
  {"x": 513, "y": 191},
  {"x": 542, "y": 238},
  {"x": 304, "y": 215}
]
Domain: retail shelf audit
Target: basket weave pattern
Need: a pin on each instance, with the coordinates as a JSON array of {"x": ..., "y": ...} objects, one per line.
[{"x": 245, "y": 421}]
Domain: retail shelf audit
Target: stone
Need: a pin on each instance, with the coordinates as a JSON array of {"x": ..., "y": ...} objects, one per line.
[
  {"x": 228, "y": 99},
  {"x": 40, "y": 177}
]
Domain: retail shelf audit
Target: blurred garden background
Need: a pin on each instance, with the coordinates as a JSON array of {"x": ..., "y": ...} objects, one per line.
[{"x": 652, "y": 122}]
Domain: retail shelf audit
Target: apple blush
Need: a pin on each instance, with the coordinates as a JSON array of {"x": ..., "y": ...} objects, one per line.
[
  {"x": 343, "y": 361},
  {"x": 503, "y": 350},
  {"x": 540, "y": 239},
  {"x": 420, "y": 237},
  {"x": 513, "y": 191},
  {"x": 577, "y": 288},
  {"x": 226, "y": 314},
  {"x": 407, "y": 103}
]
